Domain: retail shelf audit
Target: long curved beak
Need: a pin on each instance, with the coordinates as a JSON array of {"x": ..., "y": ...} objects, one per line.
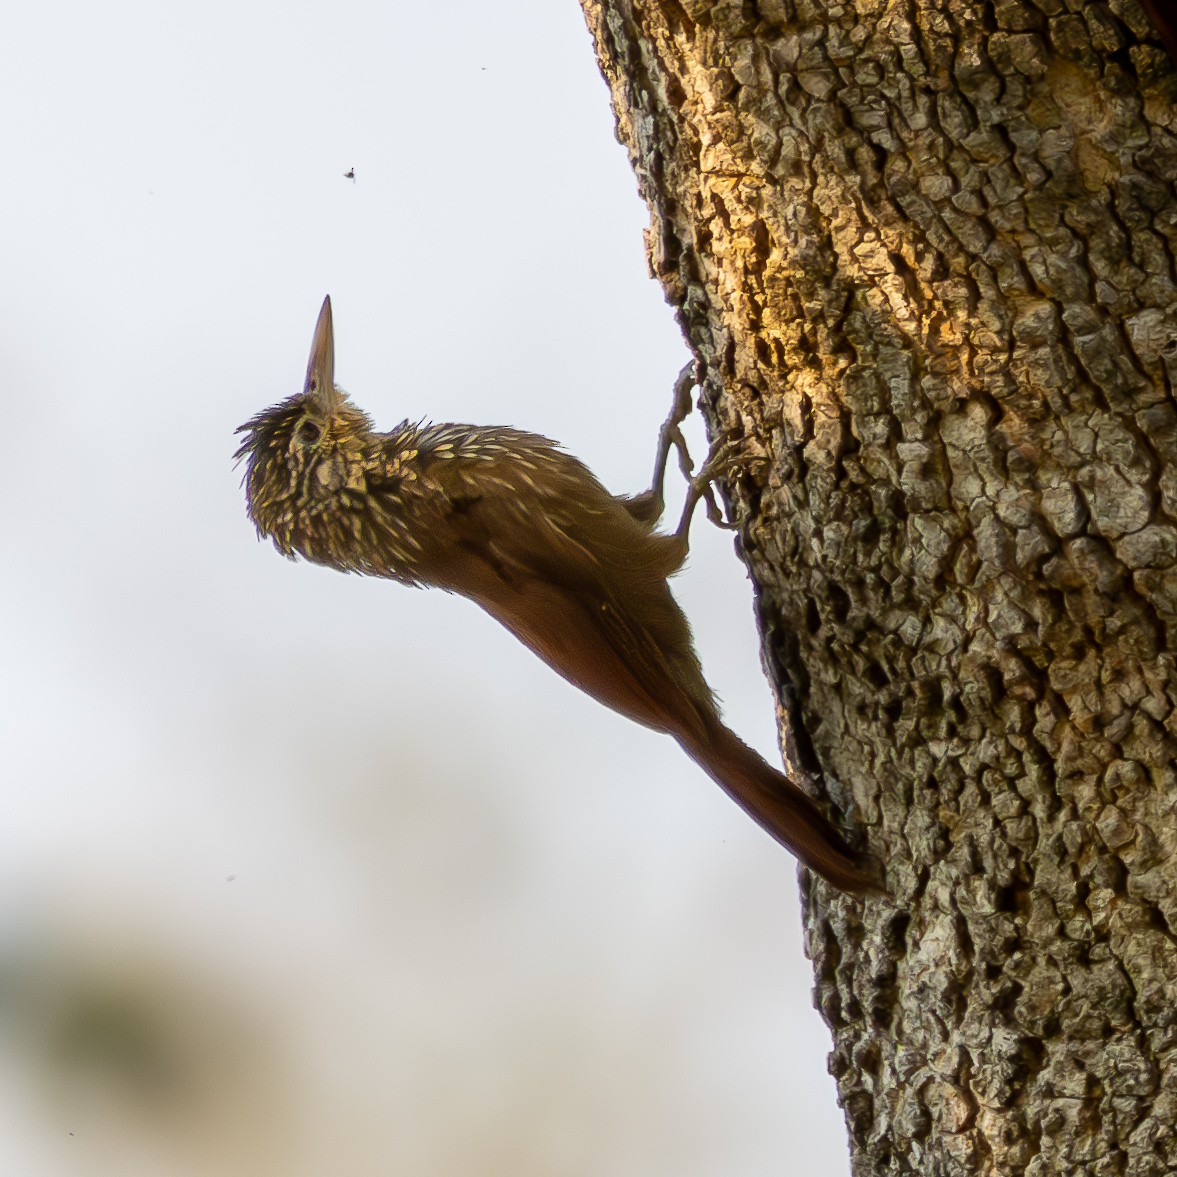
[{"x": 320, "y": 382}]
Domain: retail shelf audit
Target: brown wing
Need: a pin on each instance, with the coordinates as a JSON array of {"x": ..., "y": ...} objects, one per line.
[
  {"x": 534, "y": 514},
  {"x": 538, "y": 510}
]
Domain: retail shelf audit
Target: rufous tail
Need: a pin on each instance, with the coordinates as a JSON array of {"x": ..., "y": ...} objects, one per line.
[{"x": 781, "y": 808}]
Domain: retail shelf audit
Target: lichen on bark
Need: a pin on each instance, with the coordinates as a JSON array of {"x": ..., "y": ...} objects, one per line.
[{"x": 927, "y": 255}]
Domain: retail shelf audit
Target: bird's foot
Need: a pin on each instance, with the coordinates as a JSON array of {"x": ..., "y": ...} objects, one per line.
[
  {"x": 722, "y": 460},
  {"x": 649, "y": 505}
]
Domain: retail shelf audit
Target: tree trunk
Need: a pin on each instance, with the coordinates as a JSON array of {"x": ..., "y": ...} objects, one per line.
[{"x": 925, "y": 252}]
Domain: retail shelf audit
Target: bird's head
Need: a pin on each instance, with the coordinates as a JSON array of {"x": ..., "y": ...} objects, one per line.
[{"x": 302, "y": 452}]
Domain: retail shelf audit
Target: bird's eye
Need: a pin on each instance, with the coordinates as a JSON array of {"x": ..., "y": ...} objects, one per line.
[{"x": 308, "y": 432}]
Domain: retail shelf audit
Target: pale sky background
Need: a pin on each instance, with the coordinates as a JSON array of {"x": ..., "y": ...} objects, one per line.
[{"x": 305, "y": 874}]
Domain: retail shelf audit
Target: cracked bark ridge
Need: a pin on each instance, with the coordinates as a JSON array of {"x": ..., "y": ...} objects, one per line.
[{"x": 926, "y": 252}]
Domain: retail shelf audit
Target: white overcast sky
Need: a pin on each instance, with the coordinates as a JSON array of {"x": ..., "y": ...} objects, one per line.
[{"x": 300, "y": 873}]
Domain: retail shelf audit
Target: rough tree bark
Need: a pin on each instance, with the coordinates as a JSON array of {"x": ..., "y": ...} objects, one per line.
[{"x": 925, "y": 251}]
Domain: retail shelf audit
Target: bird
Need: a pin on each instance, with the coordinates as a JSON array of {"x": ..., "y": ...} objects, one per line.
[{"x": 525, "y": 530}]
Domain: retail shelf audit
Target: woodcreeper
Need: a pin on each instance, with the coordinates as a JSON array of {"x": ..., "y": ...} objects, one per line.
[{"x": 527, "y": 532}]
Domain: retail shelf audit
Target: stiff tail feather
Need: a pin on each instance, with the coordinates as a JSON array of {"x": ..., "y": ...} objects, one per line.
[{"x": 781, "y": 808}]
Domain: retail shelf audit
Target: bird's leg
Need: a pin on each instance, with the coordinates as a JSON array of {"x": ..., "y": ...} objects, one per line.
[
  {"x": 671, "y": 435},
  {"x": 649, "y": 505},
  {"x": 720, "y": 462}
]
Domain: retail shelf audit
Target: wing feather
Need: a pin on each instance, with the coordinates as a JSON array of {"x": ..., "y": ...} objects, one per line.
[{"x": 532, "y": 511}]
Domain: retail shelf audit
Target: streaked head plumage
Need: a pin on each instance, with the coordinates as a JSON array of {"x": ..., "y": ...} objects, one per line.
[{"x": 287, "y": 446}]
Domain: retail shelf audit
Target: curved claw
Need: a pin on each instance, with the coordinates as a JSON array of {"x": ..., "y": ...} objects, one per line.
[
  {"x": 651, "y": 503},
  {"x": 723, "y": 460},
  {"x": 648, "y": 506},
  {"x": 715, "y": 515}
]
